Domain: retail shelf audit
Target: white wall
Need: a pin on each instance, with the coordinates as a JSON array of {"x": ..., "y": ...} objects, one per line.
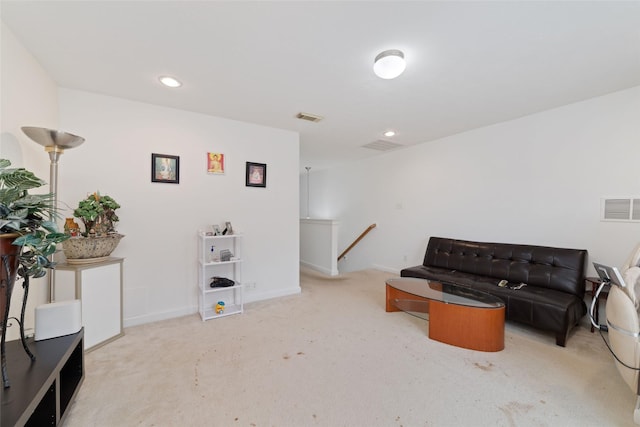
[
  {"x": 29, "y": 97},
  {"x": 160, "y": 220},
  {"x": 319, "y": 245},
  {"x": 535, "y": 180}
]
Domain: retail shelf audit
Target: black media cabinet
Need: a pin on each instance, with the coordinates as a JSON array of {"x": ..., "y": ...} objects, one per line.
[{"x": 42, "y": 391}]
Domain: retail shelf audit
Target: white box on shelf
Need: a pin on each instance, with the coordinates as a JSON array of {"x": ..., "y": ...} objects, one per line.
[{"x": 57, "y": 319}]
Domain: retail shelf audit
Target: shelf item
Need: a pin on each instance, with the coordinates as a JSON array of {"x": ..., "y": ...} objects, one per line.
[
  {"x": 99, "y": 287},
  {"x": 42, "y": 391},
  {"x": 592, "y": 284},
  {"x": 220, "y": 262},
  {"x": 224, "y": 301}
]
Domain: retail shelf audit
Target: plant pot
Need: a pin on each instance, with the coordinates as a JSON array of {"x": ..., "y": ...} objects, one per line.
[
  {"x": 86, "y": 250},
  {"x": 8, "y": 271},
  {"x": 9, "y": 252}
]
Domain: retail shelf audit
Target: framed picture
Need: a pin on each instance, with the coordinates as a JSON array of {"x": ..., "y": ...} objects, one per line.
[
  {"x": 227, "y": 228},
  {"x": 165, "y": 168},
  {"x": 215, "y": 163},
  {"x": 256, "y": 174}
]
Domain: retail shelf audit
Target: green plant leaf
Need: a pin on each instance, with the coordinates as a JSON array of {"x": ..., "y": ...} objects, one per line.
[{"x": 27, "y": 240}]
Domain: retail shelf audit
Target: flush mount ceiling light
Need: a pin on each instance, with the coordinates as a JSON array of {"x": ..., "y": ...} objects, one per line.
[
  {"x": 170, "y": 81},
  {"x": 389, "y": 133},
  {"x": 389, "y": 64}
]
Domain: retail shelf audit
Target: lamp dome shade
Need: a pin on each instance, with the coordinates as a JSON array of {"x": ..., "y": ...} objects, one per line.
[
  {"x": 389, "y": 64},
  {"x": 52, "y": 138}
]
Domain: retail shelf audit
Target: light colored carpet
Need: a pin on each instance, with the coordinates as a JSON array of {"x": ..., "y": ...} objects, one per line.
[{"x": 332, "y": 356}]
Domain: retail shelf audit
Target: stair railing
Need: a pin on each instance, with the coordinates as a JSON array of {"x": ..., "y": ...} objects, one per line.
[{"x": 355, "y": 242}]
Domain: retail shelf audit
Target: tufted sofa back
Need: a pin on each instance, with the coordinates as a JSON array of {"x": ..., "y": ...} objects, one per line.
[{"x": 542, "y": 266}]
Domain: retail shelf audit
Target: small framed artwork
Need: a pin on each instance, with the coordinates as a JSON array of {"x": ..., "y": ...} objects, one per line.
[
  {"x": 215, "y": 163},
  {"x": 165, "y": 168},
  {"x": 256, "y": 174},
  {"x": 227, "y": 228}
]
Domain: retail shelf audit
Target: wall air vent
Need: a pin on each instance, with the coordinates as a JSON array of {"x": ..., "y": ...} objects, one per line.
[
  {"x": 620, "y": 209},
  {"x": 309, "y": 117},
  {"x": 635, "y": 210},
  {"x": 382, "y": 145}
]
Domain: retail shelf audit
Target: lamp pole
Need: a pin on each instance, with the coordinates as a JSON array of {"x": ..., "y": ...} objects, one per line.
[
  {"x": 54, "y": 155},
  {"x": 54, "y": 143},
  {"x": 308, "y": 168}
]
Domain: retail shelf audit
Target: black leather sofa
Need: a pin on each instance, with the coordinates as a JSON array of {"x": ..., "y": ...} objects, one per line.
[{"x": 553, "y": 298}]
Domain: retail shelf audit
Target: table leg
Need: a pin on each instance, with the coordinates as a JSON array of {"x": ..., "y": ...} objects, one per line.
[{"x": 474, "y": 328}]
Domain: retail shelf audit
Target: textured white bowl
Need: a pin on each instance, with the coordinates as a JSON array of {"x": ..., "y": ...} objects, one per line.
[{"x": 88, "y": 248}]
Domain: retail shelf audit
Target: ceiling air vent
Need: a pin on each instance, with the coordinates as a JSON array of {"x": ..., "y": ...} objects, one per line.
[
  {"x": 621, "y": 209},
  {"x": 382, "y": 145},
  {"x": 309, "y": 117}
]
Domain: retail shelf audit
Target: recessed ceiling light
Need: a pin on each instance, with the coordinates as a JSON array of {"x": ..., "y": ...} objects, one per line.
[
  {"x": 170, "y": 81},
  {"x": 389, "y": 133},
  {"x": 389, "y": 64}
]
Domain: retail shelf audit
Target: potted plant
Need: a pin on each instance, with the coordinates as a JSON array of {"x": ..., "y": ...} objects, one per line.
[
  {"x": 99, "y": 238},
  {"x": 28, "y": 236},
  {"x": 97, "y": 214}
]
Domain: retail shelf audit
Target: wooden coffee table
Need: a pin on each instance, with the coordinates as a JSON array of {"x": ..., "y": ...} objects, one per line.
[{"x": 457, "y": 315}]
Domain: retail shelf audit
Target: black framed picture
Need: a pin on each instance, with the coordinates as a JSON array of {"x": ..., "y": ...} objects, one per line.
[
  {"x": 256, "y": 174},
  {"x": 165, "y": 168}
]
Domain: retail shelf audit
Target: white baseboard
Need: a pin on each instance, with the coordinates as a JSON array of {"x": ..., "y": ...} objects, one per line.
[
  {"x": 186, "y": 311},
  {"x": 252, "y": 296},
  {"x": 385, "y": 268},
  {"x": 156, "y": 317},
  {"x": 321, "y": 269}
]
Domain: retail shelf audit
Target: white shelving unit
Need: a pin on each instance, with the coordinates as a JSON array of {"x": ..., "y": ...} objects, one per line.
[{"x": 209, "y": 266}]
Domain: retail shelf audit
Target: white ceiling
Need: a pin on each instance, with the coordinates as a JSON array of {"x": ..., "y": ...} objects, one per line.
[{"x": 469, "y": 64}]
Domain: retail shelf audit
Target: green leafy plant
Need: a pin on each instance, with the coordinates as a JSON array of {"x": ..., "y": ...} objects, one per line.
[
  {"x": 28, "y": 215},
  {"x": 97, "y": 214}
]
